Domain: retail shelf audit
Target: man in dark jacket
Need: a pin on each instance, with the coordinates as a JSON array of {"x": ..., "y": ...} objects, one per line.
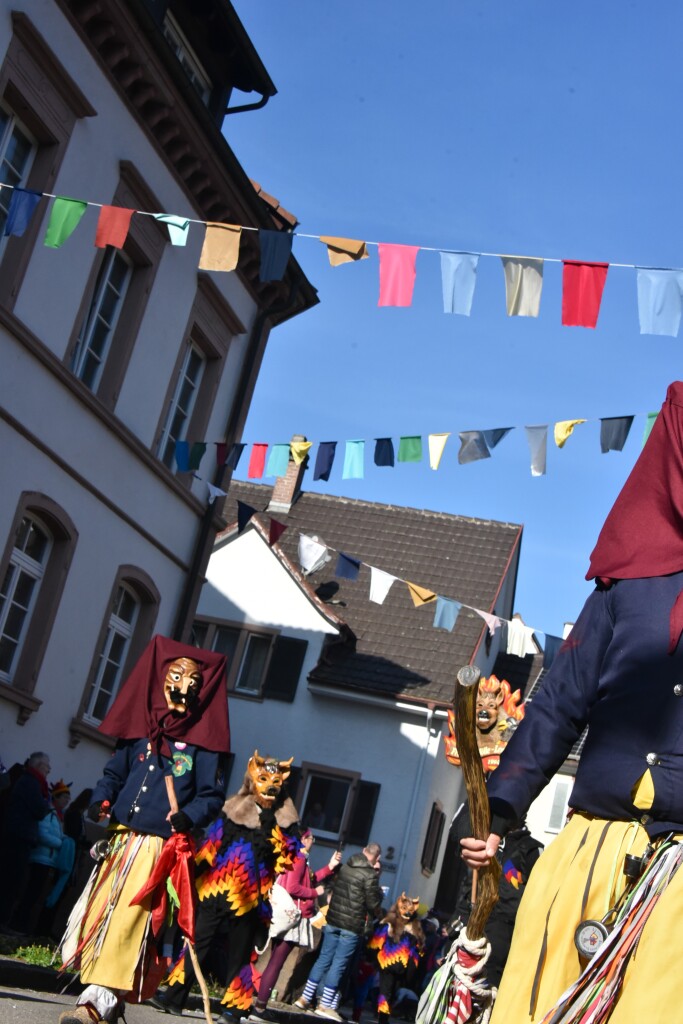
[
  {"x": 27, "y": 805},
  {"x": 356, "y": 895}
]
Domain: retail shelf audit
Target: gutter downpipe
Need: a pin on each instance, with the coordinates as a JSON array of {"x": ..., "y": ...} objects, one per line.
[
  {"x": 413, "y": 802},
  {"x": 201, "y": 552},
  {"x": 247, "y": 106}
]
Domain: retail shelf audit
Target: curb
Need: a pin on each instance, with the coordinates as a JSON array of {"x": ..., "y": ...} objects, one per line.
[{"x": 18, "y": 974}]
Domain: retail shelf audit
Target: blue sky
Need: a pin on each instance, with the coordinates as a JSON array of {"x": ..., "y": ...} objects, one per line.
[{"x": 533, "y": 129}]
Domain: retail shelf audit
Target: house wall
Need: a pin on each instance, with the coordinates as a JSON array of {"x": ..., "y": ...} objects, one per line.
[
  {"x": 391, "y": 743},
  {"x": 93, "y": 461}
]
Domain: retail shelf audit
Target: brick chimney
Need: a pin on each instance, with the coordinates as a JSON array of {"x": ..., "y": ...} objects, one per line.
[{"x": 288, "y": 487}]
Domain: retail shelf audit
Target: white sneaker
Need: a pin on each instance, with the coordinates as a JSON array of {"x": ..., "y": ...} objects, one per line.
[
  {"x": 329, "y": 1012},
  {"x": 301, "y": 1003}
]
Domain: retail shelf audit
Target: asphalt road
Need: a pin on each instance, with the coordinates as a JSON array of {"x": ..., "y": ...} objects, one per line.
[{"x": 25, "y": 1006}]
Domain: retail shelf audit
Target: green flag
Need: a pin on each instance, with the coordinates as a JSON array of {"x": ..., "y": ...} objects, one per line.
[
  {"x": 649, "y": 424},
  {"x": 410, "y": 449},
  {"x": 64, "y": 219}
]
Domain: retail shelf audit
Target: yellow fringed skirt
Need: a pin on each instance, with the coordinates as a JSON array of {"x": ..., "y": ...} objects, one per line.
[
  {"x": 580, "y": 876},
  {"x": 106, "y": 938}
]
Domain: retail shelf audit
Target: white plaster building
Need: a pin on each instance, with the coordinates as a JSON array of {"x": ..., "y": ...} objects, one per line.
[
  {"x": 110, "y": 355},
  {"x": 355, "y": 691}
]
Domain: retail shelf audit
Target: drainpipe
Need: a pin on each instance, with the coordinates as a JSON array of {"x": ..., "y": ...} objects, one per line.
[
  {"x": 207, "y": 530},
  {"x": 413, "y": 802}
]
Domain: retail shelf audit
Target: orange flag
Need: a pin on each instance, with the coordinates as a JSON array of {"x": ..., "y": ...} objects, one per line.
[
  {"x": 221, "y": 247},
  {"x": 420, "y": 595}
]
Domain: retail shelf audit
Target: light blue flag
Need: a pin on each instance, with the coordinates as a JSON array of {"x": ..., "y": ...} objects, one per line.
[
  {"x": 178, "y": 227},
  {"x": 278, "y": 460},
  {"x": 446, "y": 613},
  {"x": 659, "y": 300},
  {"x": 354, "y": 458},
  {"x": 458, "y": 278}
]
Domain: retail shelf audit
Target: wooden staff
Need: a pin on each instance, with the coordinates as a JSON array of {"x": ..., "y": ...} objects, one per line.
[
  {"x": 485, "y": 881},
  {"x": 206, "y": 999}
]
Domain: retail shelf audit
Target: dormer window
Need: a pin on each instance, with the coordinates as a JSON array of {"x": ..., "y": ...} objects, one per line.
[{"x": 187, "y": 57}]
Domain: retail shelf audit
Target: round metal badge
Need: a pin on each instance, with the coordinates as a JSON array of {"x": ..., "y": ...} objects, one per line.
[{"x": 589, "y": 936}]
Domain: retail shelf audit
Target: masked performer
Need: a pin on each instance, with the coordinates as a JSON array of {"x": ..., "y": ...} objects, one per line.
[
  {"x": 399, "y": 943},
  {"x": 170, "y": 719},
  {"x": 254, "y": 839},
  {"x": 620, "y": 672}
]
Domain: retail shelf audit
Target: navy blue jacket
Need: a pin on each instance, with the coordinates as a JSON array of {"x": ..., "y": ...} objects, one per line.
[
  {"x": 613, "y": 674},
  {"x": 26, "y": 808},
  {"x": 133, "y": 783}
]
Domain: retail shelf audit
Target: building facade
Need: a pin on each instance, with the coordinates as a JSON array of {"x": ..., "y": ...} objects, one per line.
[{"x": 112, "y": 353}]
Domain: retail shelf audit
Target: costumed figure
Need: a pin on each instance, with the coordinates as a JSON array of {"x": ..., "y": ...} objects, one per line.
[
  {"x": 399, "y": 943},
  {"x": 170, "y": 719},
  {"x": 254, "y": 839},
  {"x": 499, "y": 712},
  {"x": 596, "y": 936}
]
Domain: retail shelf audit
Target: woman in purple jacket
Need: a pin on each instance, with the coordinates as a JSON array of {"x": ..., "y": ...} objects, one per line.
[{"x": 304, "y": 886}]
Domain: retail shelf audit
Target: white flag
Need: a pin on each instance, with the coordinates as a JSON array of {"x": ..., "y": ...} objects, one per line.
[
  {"x": 312, "y": 554},
  {"x": 380, "y": 584}
]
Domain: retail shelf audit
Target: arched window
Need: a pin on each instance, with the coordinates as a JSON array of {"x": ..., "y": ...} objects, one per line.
[
  {"x": 114, "y": 652},
  {"x": 20, "y": 589},
  {"x": 33, "y": 572},
  {"x": 127, "y": 626}
]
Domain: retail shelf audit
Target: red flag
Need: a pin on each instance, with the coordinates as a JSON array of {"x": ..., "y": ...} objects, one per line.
[
  {"x": 582, "y": 285},
  {"x": 112, "y": 226},
  {"x": 257, "y": 461},
  {"x": 275, "y": 532},
  {"x": 221, "y": 452}
]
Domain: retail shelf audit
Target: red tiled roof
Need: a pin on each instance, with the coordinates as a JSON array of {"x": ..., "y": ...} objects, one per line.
[{"x": 279, "y": 213}]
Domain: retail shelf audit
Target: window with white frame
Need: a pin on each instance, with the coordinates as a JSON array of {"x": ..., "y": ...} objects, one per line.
[
  {"x": 17, "y": 149},
  {"x": 25, "y": 571},
  {"x": 114, "y": 652},
  {"x": 191, "y": 65},
  {"x": 97, "y": 329},
  {"x": 261, "y": 663},
  {"x": 182, "y": 402},
  {"x": 561, "y": 789}
]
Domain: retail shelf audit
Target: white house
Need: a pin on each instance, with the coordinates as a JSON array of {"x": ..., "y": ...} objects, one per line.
[
  {"x": 356, "y": 691},
  {"x": 109, "y": 355}
]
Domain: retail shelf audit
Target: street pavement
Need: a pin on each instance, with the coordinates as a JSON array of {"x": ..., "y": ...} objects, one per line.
[{"x": 26, "y": 1006}]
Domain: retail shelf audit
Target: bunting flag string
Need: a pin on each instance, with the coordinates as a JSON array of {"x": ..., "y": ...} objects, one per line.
[
  {"x": 272, "y": 460},
  {"x": 314, "y": 554},
  {"x": 659, "y": 290}
]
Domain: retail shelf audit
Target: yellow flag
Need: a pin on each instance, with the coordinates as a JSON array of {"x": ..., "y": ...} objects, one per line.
[
  {"x": 221, "y": 247},
  {"x": 420, "y": 595},
  {"x": 564, "y": 430},
  {"x": 344, "y": 250},
  {"x": 299, "y": 450},
  {"x": 437, "y": 443}
]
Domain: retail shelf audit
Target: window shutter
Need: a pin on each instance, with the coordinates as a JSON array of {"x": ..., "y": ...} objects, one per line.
[
  {"x": 292, "y": 783},
  {"x": 284, "y": 669},
  {"x": 363, "y": 813},
  {"x": 430, "y": 850}
]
